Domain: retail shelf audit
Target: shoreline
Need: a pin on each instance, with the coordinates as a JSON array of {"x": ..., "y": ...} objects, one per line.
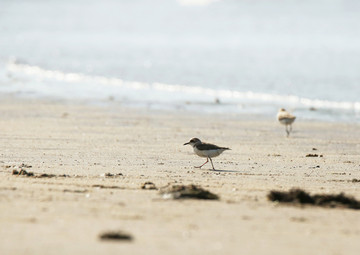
[
  {"x": 66, "y": 214},
  {"x": 109, "y": 104}
]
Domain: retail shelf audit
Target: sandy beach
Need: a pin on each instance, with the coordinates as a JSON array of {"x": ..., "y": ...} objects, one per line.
[{"x": 79, "y": 144}]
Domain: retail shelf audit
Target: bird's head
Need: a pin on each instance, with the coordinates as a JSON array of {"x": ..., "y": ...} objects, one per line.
[{"x": 193, "y": 141}]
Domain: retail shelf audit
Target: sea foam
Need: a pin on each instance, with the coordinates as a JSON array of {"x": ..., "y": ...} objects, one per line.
[{"x": 155, "y": 91}]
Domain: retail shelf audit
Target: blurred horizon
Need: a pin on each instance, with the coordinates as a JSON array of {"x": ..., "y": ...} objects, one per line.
[{"x": 305, "y": 54}]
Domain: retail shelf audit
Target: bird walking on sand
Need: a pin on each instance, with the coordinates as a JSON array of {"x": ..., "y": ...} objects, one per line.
[
  {"x": 206, "y": 150},
  {"x": 286, "y": 119}
]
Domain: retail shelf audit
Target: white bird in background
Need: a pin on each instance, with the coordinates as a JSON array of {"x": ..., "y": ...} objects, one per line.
[{"x": 286, "y": 119}]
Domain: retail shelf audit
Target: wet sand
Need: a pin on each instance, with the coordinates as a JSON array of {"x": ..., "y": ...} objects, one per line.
[{"x": 79, "y": 144}]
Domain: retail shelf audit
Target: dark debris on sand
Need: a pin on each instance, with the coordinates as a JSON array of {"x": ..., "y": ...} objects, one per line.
[
  {"x": 31, "y": 174},
  {"x": 115, "y": 236},
  {"x": 52, "y": 175},
  {"x": 22, "y": 172},
  {"x": 313, "y": 155},
  {"x": 75, "y": 191},
  {"x": 46, "y": 176},
  {"x": 301, "y": 197},
  {"x": 187, "y": 191},
  {"x": 148, "y": 185},
  {"x": 110, "y": 175},
  {"x": 23, "y": 165},
  {"x": 100, "y": 186}
]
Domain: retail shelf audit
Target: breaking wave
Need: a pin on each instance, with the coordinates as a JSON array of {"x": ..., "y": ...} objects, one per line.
[{"x": 165, "y": 92}]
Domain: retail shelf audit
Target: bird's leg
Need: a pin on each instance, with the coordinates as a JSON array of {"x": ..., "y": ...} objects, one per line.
[
  {"x": 207, "y": 160},
  {"x": 212, "y": 164},
  {"x": 290, "y": 128},
  {"x": 287, "y": 131}
]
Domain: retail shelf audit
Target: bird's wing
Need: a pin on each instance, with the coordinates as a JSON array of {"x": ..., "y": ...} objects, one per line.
[
  {"x": 209, "y": 146},
  {"x": 285, "y": 115}
]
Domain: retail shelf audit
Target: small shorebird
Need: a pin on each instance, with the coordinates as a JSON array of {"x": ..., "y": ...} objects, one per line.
[
  {"x": 206, "y": 150},
  {"x": 286, "y": 119}
]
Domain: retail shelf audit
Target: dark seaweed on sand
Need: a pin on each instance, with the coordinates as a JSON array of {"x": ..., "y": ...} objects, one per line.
[
  {"x": 22, "y": 172},
  {"x": 31, "y": 174},
  {"x": 299, "y": 196},
  {"x": 187, "y": 191},
  {"x": 115, "y": 236}
]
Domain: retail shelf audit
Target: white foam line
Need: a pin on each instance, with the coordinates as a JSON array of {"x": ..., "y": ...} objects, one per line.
[
  {"x": 41, "y": 73},
  {"x": 281, "y": 99}
]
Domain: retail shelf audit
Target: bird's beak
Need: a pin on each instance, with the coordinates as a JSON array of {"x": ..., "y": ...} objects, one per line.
[{"x": 186, "y": 143}]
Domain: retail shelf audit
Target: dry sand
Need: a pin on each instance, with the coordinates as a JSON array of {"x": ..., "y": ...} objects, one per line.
[{"x": 66, "y": 215}]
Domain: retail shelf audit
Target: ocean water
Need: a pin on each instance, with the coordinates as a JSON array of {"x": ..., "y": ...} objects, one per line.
[{"x": 225, "y": 56}]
